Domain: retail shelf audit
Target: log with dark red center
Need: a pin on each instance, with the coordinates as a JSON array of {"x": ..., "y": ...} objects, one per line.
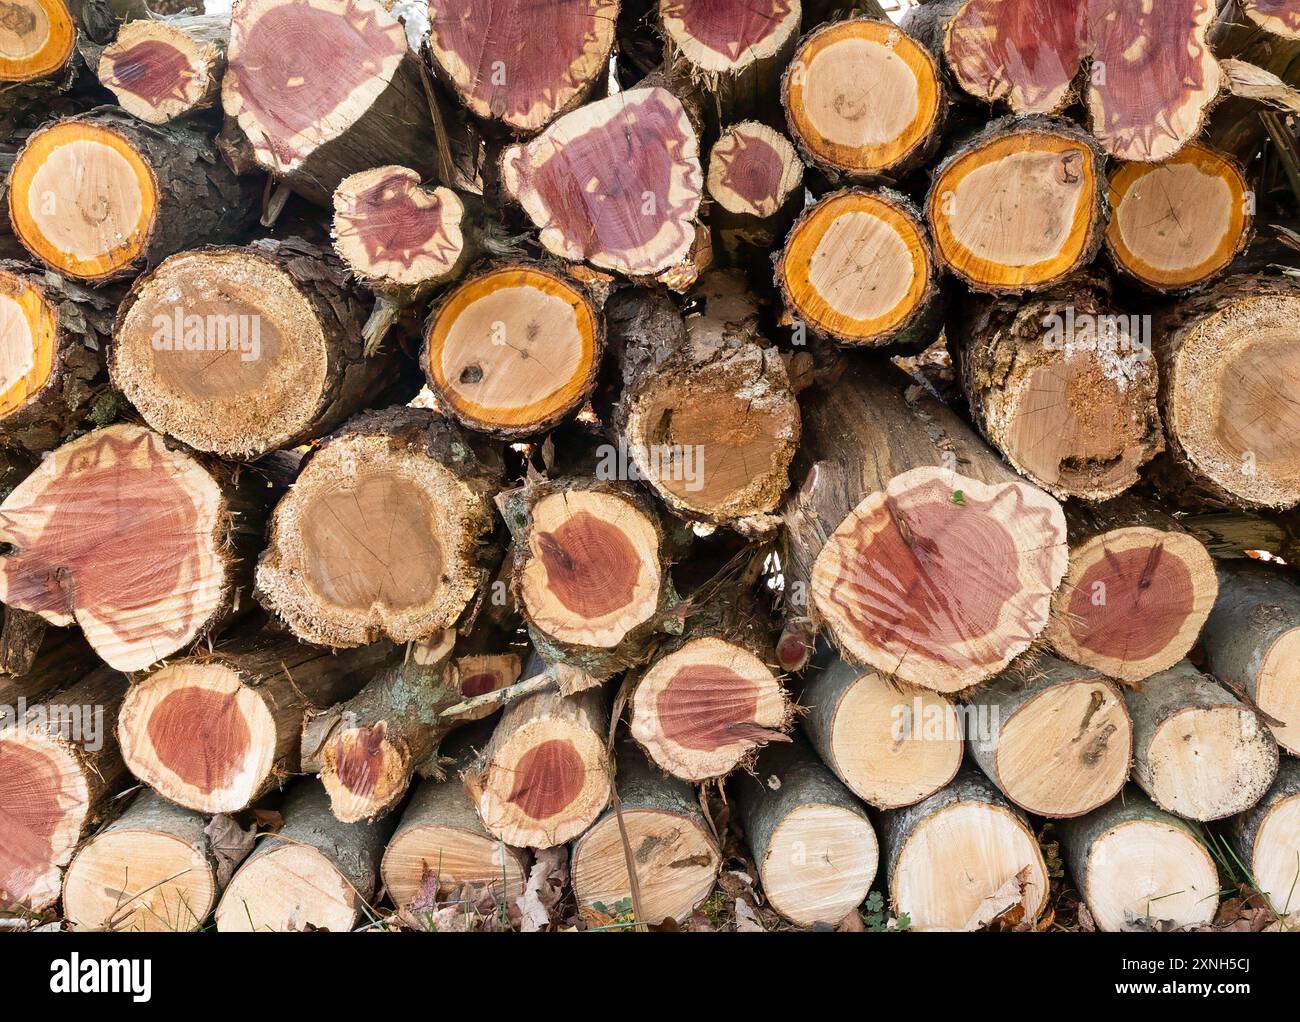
[
  {"x": 700, "y": 707},
  {"x": 591, "y": 567},
  {"x": 1152, "y": 602},
  {"x": 152, "y": 69},
  {"x": 522, "y": 62},
  {"x": 616, "y": 183},
  {"x": 189, "y": 722},
  {"x": 547, "y": 779},
  {"x": 754, "y": 180},
  {"x": 1150, "y": 73}
]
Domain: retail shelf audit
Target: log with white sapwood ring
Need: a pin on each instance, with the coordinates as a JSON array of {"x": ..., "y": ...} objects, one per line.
[
  {"x": 754, "y": 179},
  {"x": 1266, "y": 838},
  {"x": 164, "y": 68}
]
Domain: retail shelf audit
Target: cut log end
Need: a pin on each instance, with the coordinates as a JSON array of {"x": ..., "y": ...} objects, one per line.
[
  {"x": 484, "y": 673},
  {"x": 1133, "y": 601},
  {"x": 491, "y": 55},
  {"x": 373, "y": 541},
  {"x": 819, "y": 864},
  {"x": 83, "y": 199},
  {"x": 703, "y": 709},
  {"x": 753, "y": 170},
  {"x": 29, "y": 327},
  {"x": 364, "y": 771},
  {"x": 858, "y": 268},
  {"x": 1268, "y": 836},
  {"x": 141, "y": 586},
  {"x": 514, "y": 351},
  {"x": 1181, "y": 222},
  {"x": 727, "y": 36},
  {"x": 444, "y": 857},
  {"x": 862, "y": 98},
  {"x": 348, "y": 53},
  {"x": 1018, "y": 209},
  {"x": 36, "y": 39},
  {"x": 158, "y": 72},
  {"x": 288, "y": 887},
  {"x": 1281, "y": 17},
  {"x": 940, "y": 579},
  {"x": 395, "y": 234},
  {"x": 214, "y": 767},
  {"x": 591, "y": 573},
  {"x": 635, "y": 158}
]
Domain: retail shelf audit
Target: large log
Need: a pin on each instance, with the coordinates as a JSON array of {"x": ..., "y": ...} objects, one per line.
[
  {"x": 1198, "y": 751},
  {"x": 1150, "y": 73},
  {"x": 313, "y": 873},
  {"x": 961, "y": 858},
  {"x": 1230, "y": 394},
  {"x": 514, "y": 350},
  {"x": 1252, "y": 645},
  {"x": 383, "y": 534},
  {"x": 164, "y": 68},
  {"x": 241, "y": 351},
  {"x": 1181, "y": 222},
  {"x": 319, "y": 87},
  {"x": 215, "y": 731},
  {"x": 1063, "y": 386},
  {"x": 153, "y": 869},
  {"x": 908, "y": 541},
  {"x": 657, "y": 829},
  {"x": 706, "y": 415},
  {"x": 1139, "y": 867},
  {"x": 54, "y": 333},
  {"x": 859, "y": 268},
  {"x": 1266, "y": 838},
  {"x": 61, "y": 765},
  {"x": 1136, "y": 593},
  {"x": 545, "y": 776},
  {"x": 616, "y": 183},
  {"x": 863, "y": 100},
  {"x": 521, "y": 63},
  {"x": 1054, "y": 737},
  {"x": 892, "y": 744},
  {"x": 104, "y": 195},
  {"x": 814, "y": 846},
  {"x": 140, "y": 586},
  {"x": 1020, "y": 206}
]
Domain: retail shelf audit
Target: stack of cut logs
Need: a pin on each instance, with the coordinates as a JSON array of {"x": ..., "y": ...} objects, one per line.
[{"x": 655, "y": 447}]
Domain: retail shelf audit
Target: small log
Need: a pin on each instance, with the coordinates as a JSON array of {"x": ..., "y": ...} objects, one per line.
[
  {"x": 909, "y": 541},
  {"x": 1252, "y": 645},
  {"x": 864, "y": 101},
  {"x": 514, "y": 350},
  {"x": 152, "y": 869},
  {"x": 635, "y": 160},
  {"x": 103, "y": 195},
  {"x": 61, "y": 767},
  {"x": 589, "y": 573},
  {"x": 1138, "y": 866},
  {"x": 1136, "y": 593},
  {"x": 1063, "y": 386},
  {"x": 1158, "y": 73},
  {"x": 961, "y": 858},
  {"x": 521, "y": 64},
  {"x": 313, "y": 873},
  {"x": 140, "y": 586},
  {"x": 735, "y": 50},
  {"x": 545, "y": 776},
  {"x": 755, "y": 181},
  {"x": 241, "y": 351},
  {"x": 671, "y": 844},
  {"x": 318, "y": 110},
  {"x": 1266, "y": 838},
  {"x": 441, "y": 845},
  {"x": 1230, "y": 394},
  {"x": 383, "y": 533},
  {"x": 164, "y": 68},
  {"x": 1198, "y": 751},
  {"x": 859, "y": 268},
  {"x": 39, "y": 41},
  {"x": 214, "y": 732},
  {"x": 1054, "y": 737},
  {"x": 1049, "y": 174},
  {"x": 892, "y": 744},
  {"x": 814, "y": 846},
  {"x": 1182, "y": 222},
  {"x": 706, "y": 416},
  {"x": 55, "y": 332}
]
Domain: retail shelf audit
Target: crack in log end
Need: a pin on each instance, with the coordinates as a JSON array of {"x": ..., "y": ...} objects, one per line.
[
  {"x": 201, "y": 736},
  {"x": 706, "y": 707},
  {"x": 32, "y": 800},
  {"x": 591, "y": 566},
  {"x": 547, "y": 778},
  {"x": 359, "y": 759}
]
